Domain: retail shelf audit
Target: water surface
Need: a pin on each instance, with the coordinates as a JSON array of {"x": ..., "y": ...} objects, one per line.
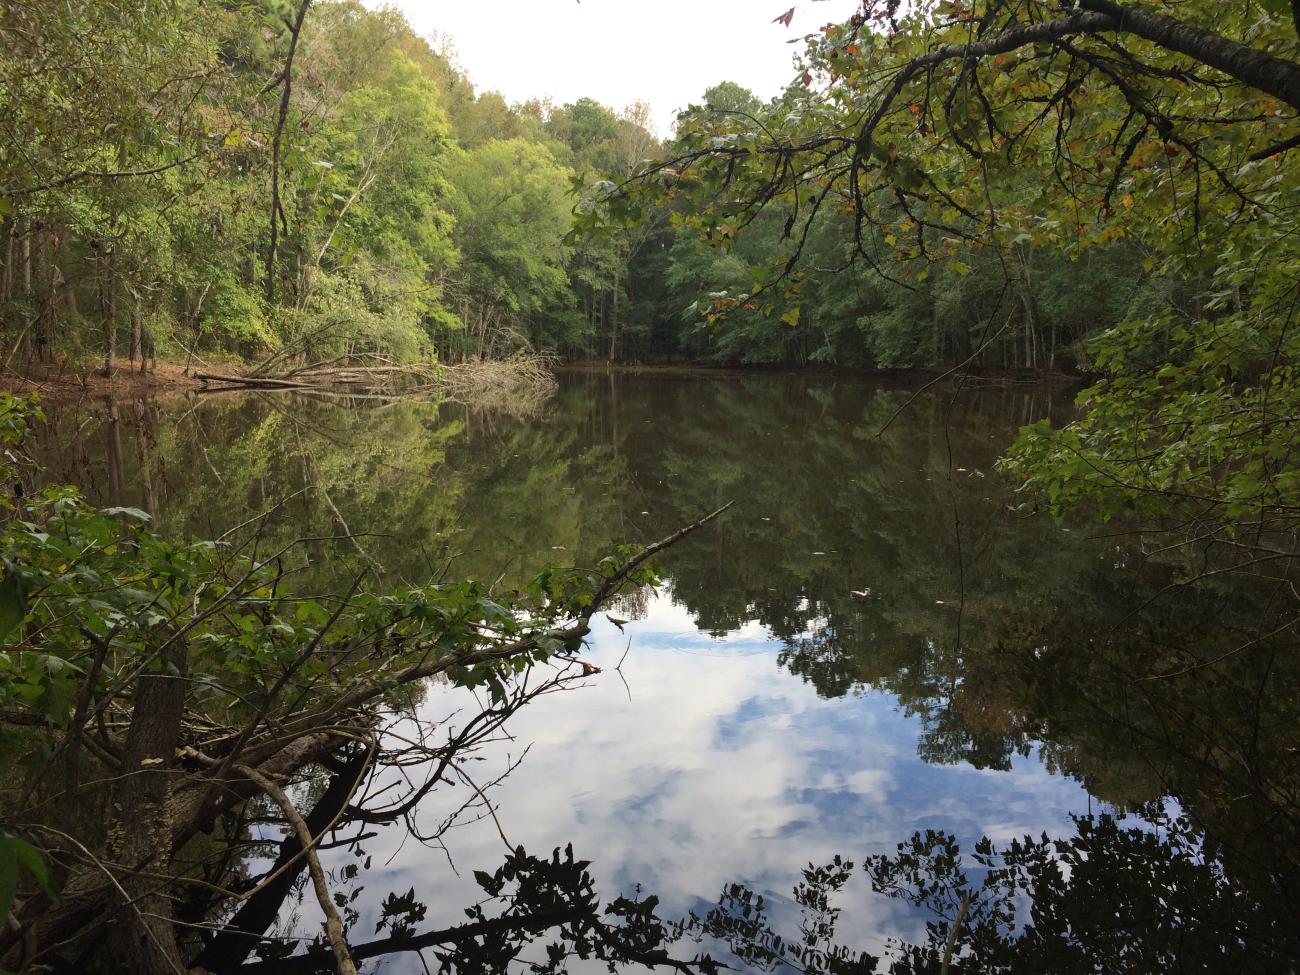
[{"x": 876, "y": 646}]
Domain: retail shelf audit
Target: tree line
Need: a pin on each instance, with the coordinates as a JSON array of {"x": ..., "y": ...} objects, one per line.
[
  {"x": 249, "y": 177},
  {"x": 244, "y": 177}
]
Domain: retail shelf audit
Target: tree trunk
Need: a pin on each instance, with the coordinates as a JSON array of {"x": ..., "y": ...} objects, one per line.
[
  {"x": 44, "y": 274},
  {"x": 7, "y": 272},
  {"x": 613, "y": 320},
  {"x": 295, "y": 29},
  {"x": 107, "y": 308},
  {"x": 27, "y": 261},
  {"x": 140, "y": 838},
  {"x": 68, "y": 284},
  {"x": 137, "y": 346},
  {"x": 24, "y": 282}
]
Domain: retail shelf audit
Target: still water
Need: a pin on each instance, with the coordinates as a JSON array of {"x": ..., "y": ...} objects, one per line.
[{"x": 875, "y": 718}]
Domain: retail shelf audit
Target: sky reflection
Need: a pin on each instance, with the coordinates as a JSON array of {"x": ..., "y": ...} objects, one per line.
[{"x": 712, "y": 766}]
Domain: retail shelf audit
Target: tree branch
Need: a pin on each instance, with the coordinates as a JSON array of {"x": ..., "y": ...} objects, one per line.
[{"x": 343, "y": 962}]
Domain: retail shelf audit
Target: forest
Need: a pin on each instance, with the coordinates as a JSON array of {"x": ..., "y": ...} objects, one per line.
[
  {"x": 406, "y": 215},
  {"x": 1016, "y": 484},
  {"x": 237, "y": 181}
]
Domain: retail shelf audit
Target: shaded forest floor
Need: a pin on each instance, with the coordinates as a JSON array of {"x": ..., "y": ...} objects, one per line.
[{"x": 62, "y": 379}]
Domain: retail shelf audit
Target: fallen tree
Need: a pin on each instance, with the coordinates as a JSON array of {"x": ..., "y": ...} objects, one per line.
[
  {"x": 365, "y": 377},
  {"x": 154, "y": 696},
  {"x": 525, "y": 375}
]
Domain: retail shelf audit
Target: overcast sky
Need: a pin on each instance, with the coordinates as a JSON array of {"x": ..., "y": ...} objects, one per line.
[{"x": 665, "y": 52}]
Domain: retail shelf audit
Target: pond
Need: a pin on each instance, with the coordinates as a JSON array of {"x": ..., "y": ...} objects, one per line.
[{"x": 876, "y": 711}]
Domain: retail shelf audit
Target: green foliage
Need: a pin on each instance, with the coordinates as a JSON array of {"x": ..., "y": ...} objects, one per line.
[
  {"x": 512, "y": 212},
  {"x": 18, "y": 857},
  {"x": 135, "y": 188},
  {"x": 103, "y": 598},
  {"x": 1044, "y": 195}
]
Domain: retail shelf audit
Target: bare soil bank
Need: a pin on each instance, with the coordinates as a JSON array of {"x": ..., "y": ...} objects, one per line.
[{"x": 61, "y": 380}]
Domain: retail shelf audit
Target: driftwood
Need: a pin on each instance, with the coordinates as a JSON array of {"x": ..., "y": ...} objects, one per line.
[
  {"x": 324, "y": 376},
  {"x": 253, "y": 382},
  {"x": 521, "y": 378}
]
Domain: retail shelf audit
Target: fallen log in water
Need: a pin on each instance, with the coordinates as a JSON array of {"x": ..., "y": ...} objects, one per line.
[
  {"x": 369, "y": 377},
  {"x": 522, "y": 377},
  {"x": 253, "y": 382}
]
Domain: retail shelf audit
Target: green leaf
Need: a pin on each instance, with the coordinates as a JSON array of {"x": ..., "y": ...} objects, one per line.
[
  {"x": 13, "y": 601},
  {"x": 135, "y": 513},
  {"x": 30, "y": 858},
  {"x": 8, "y": 873}
]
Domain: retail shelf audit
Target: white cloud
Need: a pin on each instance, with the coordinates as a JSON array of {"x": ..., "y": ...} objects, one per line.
[{"x": 721, "y": 768}]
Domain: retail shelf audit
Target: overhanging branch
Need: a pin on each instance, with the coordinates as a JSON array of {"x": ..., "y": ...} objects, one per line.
[{"x": 1271, "y": 75}]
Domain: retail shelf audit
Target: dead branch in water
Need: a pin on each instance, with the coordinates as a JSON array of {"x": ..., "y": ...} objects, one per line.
[
  {"x": 521, "y": 379},
  {"x": 524, "y": 377}
]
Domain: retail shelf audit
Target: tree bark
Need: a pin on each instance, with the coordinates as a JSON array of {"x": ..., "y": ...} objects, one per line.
[
  {"x": 140, "y": 838},
  {"x": 1258, "y": 69},
  {"x": 613, "y": 319},
  {"x": 45, "y": 276},
  {"x": 7, "y": 272},
  {"x": 27, "y": 261},
  {"x": 295, "y": 29},
  {"x": 68, "y": 285},
  {"x": 137, "y": 346},
  {"x": 107, "y": 307}
]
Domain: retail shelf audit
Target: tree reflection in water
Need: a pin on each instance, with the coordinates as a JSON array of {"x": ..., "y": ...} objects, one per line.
[
  {"x": 1011, "y": 638},
  {"x": 1199, "y": 876},
  {"x": 1130, "y": 893}
]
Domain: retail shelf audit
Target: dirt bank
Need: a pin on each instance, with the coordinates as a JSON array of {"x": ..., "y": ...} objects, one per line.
[{"x": 61, "y": 380}]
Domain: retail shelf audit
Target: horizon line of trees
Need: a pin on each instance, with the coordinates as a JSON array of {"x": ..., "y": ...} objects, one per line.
[
  {"x": 310, "y": 178},
  {"x": 315, "y": 179}
]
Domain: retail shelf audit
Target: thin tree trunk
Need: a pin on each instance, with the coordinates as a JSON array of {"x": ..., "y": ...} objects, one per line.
[
  {"x": 7, "y": 272},
  {"x": 27, "y": 261},
  {"x": 137, "y": 336},
  {"x": 68, "y": 284},
  {"x": 44, "y": 274},
  {"x": 613, "y": 320},
  {"x": 107, "y": 308}
]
